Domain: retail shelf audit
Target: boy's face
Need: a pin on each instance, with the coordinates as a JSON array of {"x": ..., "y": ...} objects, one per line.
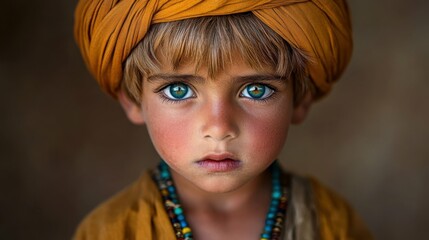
[{"x": 221, "y": 133}]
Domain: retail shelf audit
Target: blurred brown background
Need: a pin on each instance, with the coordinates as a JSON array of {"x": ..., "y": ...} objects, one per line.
[{"x": 66, "y": 146}]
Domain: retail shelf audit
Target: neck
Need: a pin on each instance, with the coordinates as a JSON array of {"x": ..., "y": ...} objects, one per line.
[{"x": 253, "y": 193}]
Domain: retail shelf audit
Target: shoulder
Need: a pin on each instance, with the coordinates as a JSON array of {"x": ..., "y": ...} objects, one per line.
[
  {"x": 117, "y": 216},
  {"x": 335, "y": 217}
]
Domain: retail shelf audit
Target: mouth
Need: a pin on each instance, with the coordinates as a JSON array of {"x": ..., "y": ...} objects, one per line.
[{"x": 219, "y": 163}]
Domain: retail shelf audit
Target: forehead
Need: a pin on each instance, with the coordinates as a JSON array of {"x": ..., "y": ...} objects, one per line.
[{"x": 240, "y": 66}]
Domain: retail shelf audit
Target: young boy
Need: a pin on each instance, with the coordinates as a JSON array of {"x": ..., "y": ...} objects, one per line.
[{"x": 217, "y": 84}]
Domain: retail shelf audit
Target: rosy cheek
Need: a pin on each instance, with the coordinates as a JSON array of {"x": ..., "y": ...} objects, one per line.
[
  {"x": 169, "y": 133},
  {"x": 266, "y": 135}
]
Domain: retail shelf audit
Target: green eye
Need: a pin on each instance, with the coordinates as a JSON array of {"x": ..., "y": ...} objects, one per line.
[
  {"x": 257, "y": 91},
  {"x": 178, "y": 91}
]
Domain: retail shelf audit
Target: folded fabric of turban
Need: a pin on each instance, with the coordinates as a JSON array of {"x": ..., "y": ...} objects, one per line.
[{"x": 107, "y": 31}]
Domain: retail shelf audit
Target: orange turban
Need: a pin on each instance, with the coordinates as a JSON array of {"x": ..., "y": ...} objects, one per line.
[{"x": 108, "y": 30}]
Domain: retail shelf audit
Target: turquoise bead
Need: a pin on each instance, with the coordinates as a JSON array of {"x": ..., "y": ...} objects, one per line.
[
  {"x": 277, "y": 195},
  {"x": 165, "y": 174},
  {"x": 178, "y": 211}
]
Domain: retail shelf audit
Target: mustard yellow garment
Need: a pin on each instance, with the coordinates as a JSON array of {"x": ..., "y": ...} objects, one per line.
[
  {"x": 107, "y": 30},
  {"x": 337, "y": 220},
  {"x": 137, "y": 213}
]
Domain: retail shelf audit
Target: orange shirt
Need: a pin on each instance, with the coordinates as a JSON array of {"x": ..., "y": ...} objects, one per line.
[{"x": 138, "y": 213}]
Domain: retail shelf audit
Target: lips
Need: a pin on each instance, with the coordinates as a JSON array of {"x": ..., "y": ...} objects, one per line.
[{"x": 219, "y": 163}]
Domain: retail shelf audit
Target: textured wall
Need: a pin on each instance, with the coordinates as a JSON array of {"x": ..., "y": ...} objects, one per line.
[{"x": 65, "y": 146}]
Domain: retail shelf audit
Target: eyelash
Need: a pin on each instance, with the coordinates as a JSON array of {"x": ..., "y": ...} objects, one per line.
[
  {"x": 166, "y": 99},
  {"x": 258, "y": 100},
  {"x": 160, "y": 92}
]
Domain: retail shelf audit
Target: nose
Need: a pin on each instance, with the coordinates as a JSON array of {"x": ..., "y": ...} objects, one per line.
[{"x": 220, "y": 120}]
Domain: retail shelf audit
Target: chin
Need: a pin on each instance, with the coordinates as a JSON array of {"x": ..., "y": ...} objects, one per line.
[{"x": 219, "y": 185}]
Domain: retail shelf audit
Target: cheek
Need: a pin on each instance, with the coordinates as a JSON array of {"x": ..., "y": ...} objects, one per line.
[
  {"x": 169, "y": 133},
  {"x": 266, "y": 134}
]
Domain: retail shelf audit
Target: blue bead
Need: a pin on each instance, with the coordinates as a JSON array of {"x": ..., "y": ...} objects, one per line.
[
  {"x": 183, "y": 223},
  {"x": 268, "y": 228},
  {"x": 181, "y": 217},
  {"x": 274, "y": 202},
  {"x": 273, "y": 209},
  {"x": 265, "y": 235},
  {"x": 171, "y": 189},
  {"x": 269, "y": 222},
  {"x": 271, "y": 215}
]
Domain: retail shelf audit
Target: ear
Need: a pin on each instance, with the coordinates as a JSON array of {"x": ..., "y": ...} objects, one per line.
[
  {"x": 301, "y": 110},
  {"x": 132, "y": 110}
]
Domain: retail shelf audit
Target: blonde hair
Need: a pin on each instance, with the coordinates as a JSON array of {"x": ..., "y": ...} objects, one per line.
[{"x": 211, "y": 42}]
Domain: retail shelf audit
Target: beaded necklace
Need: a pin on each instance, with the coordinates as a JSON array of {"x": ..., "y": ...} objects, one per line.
[{"x": 275, "y": 217}]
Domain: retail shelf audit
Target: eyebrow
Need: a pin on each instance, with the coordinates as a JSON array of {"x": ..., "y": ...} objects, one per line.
[
  {"x": 174, "y": 77},
  {"x": 258, "y": 78},
  {"x": 190, "y": 77}
]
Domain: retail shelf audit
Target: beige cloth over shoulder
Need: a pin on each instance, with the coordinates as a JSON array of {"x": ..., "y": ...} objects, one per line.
[
  {"x": 137, "y": 213},
  {"x": 108, "y": 30}
]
